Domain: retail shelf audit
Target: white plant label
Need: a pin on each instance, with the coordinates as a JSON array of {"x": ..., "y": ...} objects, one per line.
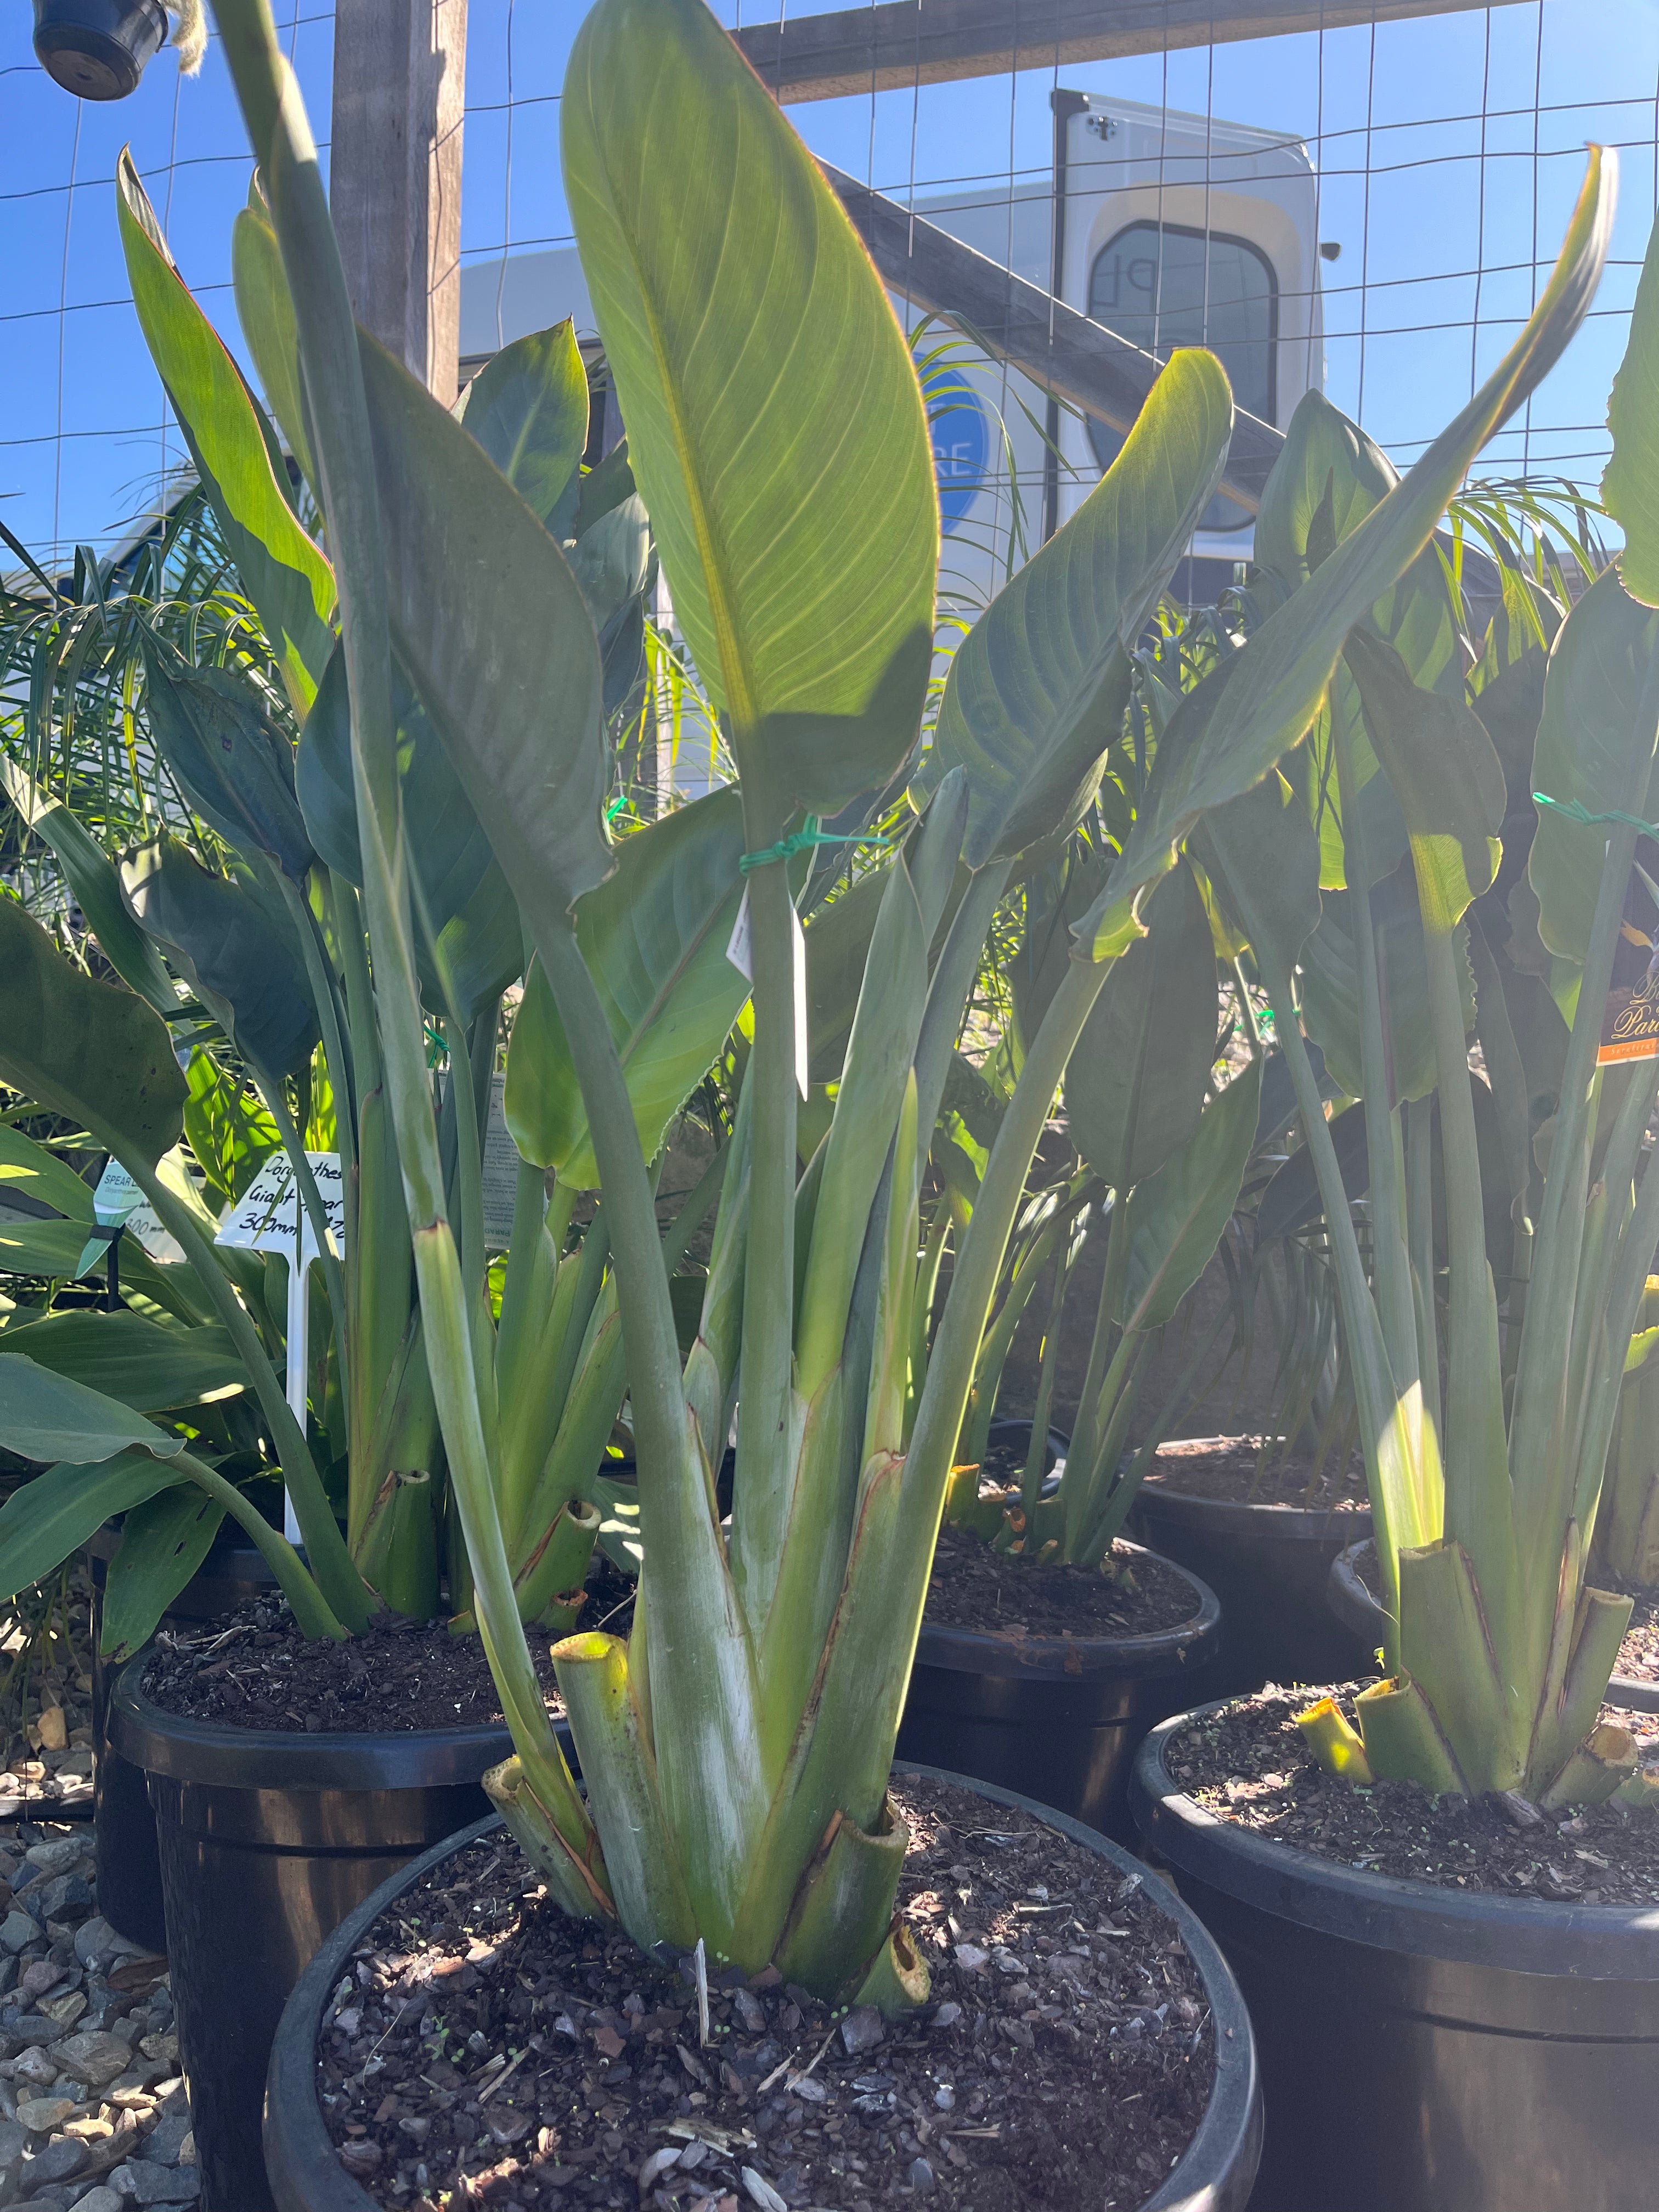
[
  {"x": 117, "y": 1203},
  {"x": 740, "y": 952},
  {"x": 501, "y": 1172},
  {"x": 270, "y": 1216}
]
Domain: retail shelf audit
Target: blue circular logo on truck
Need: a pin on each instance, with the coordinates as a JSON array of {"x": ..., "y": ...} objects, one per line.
[{"x": 961, "y": 441}]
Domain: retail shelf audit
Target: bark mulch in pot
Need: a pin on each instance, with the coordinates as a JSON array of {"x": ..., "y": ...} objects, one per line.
[
  {"x": 1638, "y": 1655},
  {"x": 1248, "y": 1765},
  {"x": 975, "y": 1586},
  {"x": 254, "y": 1669},
  {"x": 486, "y": 2049},
  {"x": 1233, "y": 1469}
]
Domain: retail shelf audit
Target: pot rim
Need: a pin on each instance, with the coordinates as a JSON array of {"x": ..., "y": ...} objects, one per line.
[
  {"x": 225, "y": 1757},
  {"x": 1297, "y": 1523},
  {"x": 1389, "y": 1913},
  {"x": 1216, "y": 2169},
  {"x": 1069, "y": 1658}
]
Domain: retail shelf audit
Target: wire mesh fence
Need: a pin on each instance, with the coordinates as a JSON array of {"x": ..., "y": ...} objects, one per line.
[{"x": 1373, "y": 207}]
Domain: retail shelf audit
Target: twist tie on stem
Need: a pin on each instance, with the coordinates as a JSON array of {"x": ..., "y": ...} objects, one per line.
[
  {"x": 801, "y": 840},
  {"x": 1575, "y": 810}
]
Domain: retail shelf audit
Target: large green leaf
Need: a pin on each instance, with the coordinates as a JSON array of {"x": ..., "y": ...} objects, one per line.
[
  {"x": 1285, "y": 668},
  {"x": 85, "y": 1049},
  {"x": 1630, "y": 485},
  {"x": 227, "y": 1127},
  {"x": 1261, "y": 853},
  {"x": 163, "y": 1541},
  {"x": 90, "y": 874},
  {"x": 232, "y": 763},
  {"x": 471, "y": 910},
  {"x": 286, "y": 577},
  {"x": 1328, "y": 478},
  {"x": 30, "y": 1169},
  {"x": 46, "y": 1521},
  {"x": 137, "y": 1361},
  {"x": 1134, "y": 1085},
  {"x": 1177, "y": 1215},
  {"x": 493, "y": 631},
  {"x": 653, "y": 938},
  {"x": 236, "y": 950},
  {"x": 1293, "y": 1199},
  {"x": 265, "y": 309},
  {"x": 51, "y": 1248},
  {"x": 1590, "y": 745},
  {"x": 1037, "y": 688},
  {"x": 1330, "y": 986},
  {"x": 1445, "y": 773},
  {"x": 527, "y": 407},
  {"x": 837, "y": 946},
  {"x": 48, "y": 1416},
  {"x": 774, "y": 420}
]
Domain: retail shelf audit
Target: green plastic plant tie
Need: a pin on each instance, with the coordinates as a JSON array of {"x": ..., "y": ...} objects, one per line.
[
  {"x": 1575, "y": 810},
  {"x": 801, "y": 840}
]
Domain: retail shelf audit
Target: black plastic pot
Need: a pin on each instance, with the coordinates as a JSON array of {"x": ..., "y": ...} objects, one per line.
[
  {"x": 129, "y": 1864},
  {"x": 1058, "y": 1718},
  {"x": 1269, "y": 1565},
  {"x": 267, "y": 1842},
  {"x": 1423, "y": 2050},
  {"x": 1350, "y": 1599},
  {"x": 97, "y": 49},
  {"x": 1215, "y": 2175}
]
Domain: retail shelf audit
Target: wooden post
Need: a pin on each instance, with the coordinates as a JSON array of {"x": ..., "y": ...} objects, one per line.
[{"x": 395, "y": 175}]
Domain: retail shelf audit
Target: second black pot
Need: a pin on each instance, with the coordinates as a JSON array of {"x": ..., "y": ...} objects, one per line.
[
  {"x": 129, "y": 1863},
  {"x": 1269, "y": 1565},
  {"x": 1423, "y": 2049},
  {"x": 1057, "y": 1718},
  {"x": 267, "y": 1842}
]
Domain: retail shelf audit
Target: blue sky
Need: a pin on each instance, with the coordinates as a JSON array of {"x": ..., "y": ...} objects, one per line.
[{"x": 1404, "y": 104}]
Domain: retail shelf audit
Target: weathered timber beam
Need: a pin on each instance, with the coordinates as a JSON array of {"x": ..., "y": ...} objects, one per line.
[
  {"x": 1080, "y": 361},
  {"x": 904, "y": 42}
]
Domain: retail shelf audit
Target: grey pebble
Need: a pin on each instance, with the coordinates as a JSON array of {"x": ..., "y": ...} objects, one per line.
[
  {"x": 165, "y": 2139},
  {"x": 59, "y": 2161},
  {"x": 164, "y": 2185},
  {"x": 920, "y": 2174}
]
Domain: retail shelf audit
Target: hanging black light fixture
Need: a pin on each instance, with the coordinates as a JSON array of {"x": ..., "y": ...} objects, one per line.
[{"x": 97, "y": 49}]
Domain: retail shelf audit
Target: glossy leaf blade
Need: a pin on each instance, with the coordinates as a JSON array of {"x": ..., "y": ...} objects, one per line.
[
  {"x": 47, "y": 1416},
  {"x": 1630, "y": 485},
  {"x": 86, "y": 1049},
  {"x": 45, "y": 1522},
  {"x": 527, "y": 407},
  {"x": 237, "y": 951},
  {"x": 1285, "y": 668},
  {"x": 235, "y": 767},
  {"x": 654, "y": 938},
  {"x": 163, "y": 1542},
  {"x": 1176, "y": 1216},
  {"x": 1019, "y": 711},
  {"x": 491, "y": 625},
  {"x": 1134, "y": 1085},
  {"x": 125, "y": 1357},
  {"x": 287, "y": 578},
  {"x": 775, "y": 424}
]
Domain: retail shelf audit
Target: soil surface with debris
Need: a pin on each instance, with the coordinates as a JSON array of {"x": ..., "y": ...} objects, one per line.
[
  {"x": 1238, "y": 1469},
  {"x": 486, "y": 2049},
  {"x": 1638, "y": 1655},
  {"x": 1249, "y": 1766},
  {"x": 975, "y": 1586},
  {"x": 254, "y": 1669}
]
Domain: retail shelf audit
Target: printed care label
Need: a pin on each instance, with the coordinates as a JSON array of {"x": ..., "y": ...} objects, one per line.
[
  {"x": 1630, "y": 1018},
  {"x": 117, "y": 1203}
]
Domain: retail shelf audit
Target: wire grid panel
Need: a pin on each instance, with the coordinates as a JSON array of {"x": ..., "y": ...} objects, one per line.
[{"x": 1443, "y": 154}]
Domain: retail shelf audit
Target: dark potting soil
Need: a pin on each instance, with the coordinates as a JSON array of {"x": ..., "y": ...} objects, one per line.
[
  {"x": 253, "y": 1669},
  {"x": 1248, "y": 1765},
  {"x": 975, "y": 1586},
  {"x": 1233, "y": 1468},
  {"x": 1638, "y": 1655},
  {"x": 485, "y": 2048}
]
